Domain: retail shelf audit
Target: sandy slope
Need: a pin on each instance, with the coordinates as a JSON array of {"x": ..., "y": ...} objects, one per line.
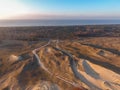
[
  {"x": 93, "y": 76},
  {"x": 100, "y": 77}
]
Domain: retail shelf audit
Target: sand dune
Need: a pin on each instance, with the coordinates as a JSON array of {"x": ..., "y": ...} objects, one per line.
[
  {"x": 93, "y": 76},
  {"x": 70, "y": 66},
  {"x": 100, "y": 77}
]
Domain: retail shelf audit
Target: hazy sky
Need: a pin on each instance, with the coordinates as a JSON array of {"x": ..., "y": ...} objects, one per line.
[{"x": 59, "y": 9}]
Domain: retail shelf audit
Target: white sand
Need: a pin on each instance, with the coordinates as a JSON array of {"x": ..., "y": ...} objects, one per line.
[
  {"x": 13, "y": 58},
  {"x": 100, "y": 76}
]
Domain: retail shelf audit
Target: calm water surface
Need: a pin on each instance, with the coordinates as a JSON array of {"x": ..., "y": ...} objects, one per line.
[{"x": 4, "y": 23}]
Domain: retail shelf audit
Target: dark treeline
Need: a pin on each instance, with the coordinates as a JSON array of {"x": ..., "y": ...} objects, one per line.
[{"x": 58, "y": 32}]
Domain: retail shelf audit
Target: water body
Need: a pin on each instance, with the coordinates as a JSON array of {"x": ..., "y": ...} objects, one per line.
[{"x": 5, "y": 23}]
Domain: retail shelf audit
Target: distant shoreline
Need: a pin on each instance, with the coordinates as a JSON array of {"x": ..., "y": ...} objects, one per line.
[{"x": 59, "y": 26}]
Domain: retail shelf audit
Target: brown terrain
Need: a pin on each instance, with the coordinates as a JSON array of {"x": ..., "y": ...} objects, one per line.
[{"x": 60, "y": 58}]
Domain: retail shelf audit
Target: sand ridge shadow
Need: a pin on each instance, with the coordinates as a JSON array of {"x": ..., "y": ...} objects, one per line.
[{"x": 114, "y": 51}]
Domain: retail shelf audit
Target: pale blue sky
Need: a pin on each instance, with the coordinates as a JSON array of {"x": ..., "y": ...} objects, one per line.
[{"x": 67, "y": 9}]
